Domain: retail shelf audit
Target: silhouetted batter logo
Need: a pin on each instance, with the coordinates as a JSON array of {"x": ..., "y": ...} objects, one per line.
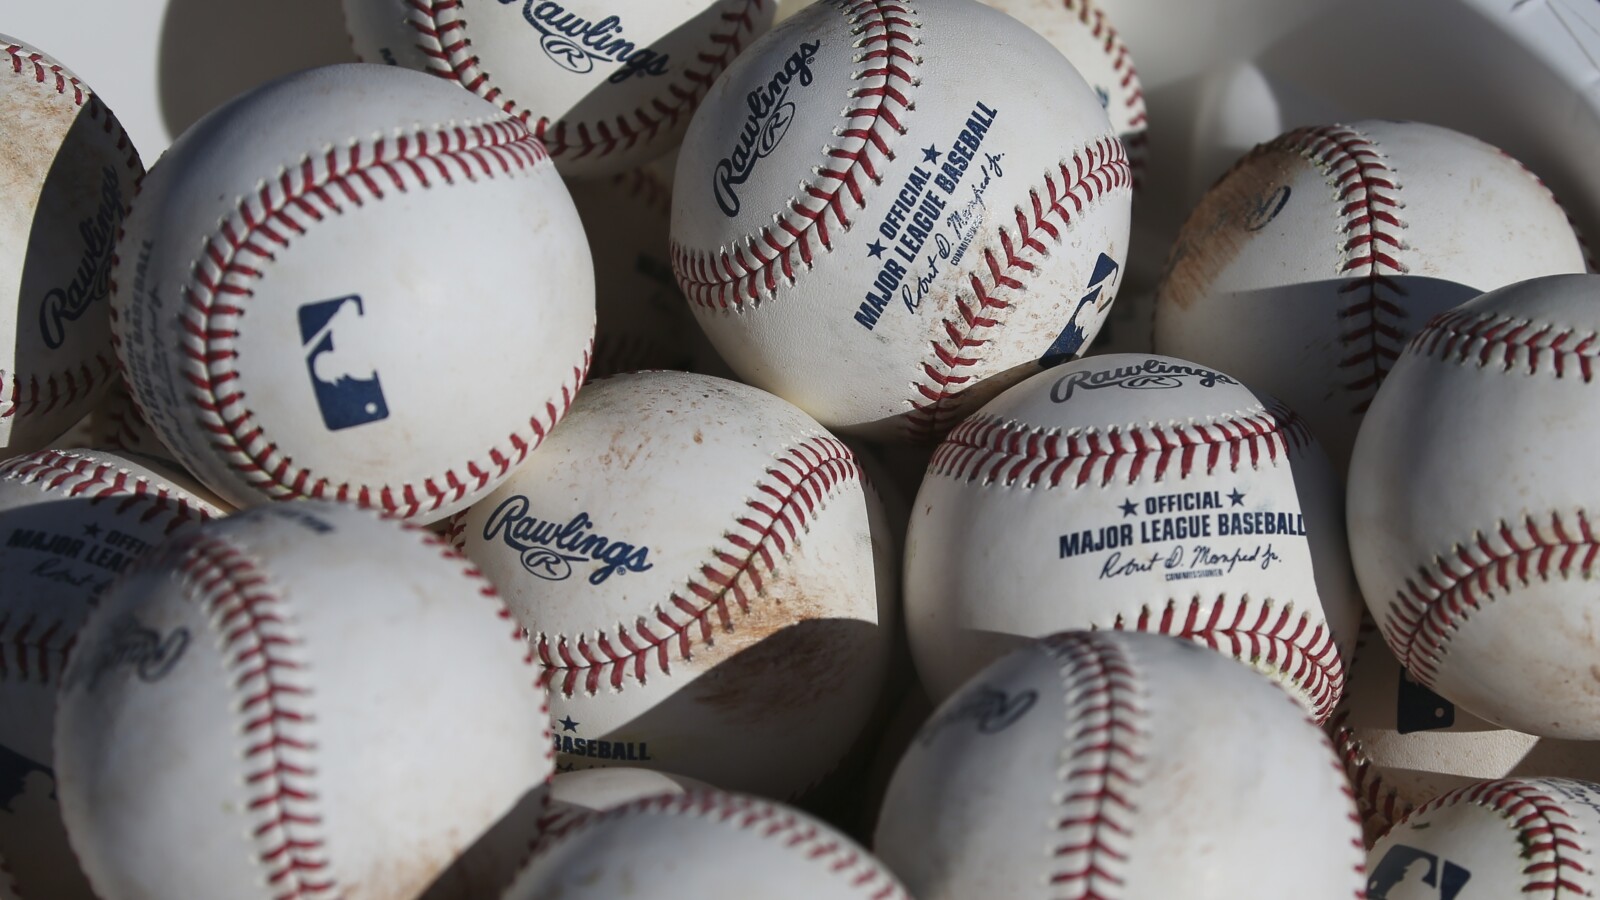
[
  {"x": 1071, "y": 339},
  {"x": 1406, "y": 873},
  {"x": 340, "y": 349}
]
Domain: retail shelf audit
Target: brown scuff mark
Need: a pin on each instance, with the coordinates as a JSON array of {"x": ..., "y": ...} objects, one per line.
[
  {"x": 1239, "y": 204},
  {"x": 793, "y": 650}
]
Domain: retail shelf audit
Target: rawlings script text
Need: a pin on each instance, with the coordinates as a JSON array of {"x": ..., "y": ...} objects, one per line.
[
  {"x": 990, "y": 710},
  {"x": 131, "y": 645},
  {"x": 1152, "y": 374},
  {"x": 578, "y": 45},
  {"x": 550, "y": 548},
  {"x": 764, "y": 127},
  {"x": 91, "y": 281}
]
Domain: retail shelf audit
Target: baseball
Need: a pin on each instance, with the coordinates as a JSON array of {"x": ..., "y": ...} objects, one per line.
[
  {"x": 301, "y": 699},
  {"x": 879, "y": 219},
  {"x": 1470, "y": 501},
  {"x": 1519, "y": 837},
  {"x": 1133, "y": 492},
  {"x": 69, "y": 522},
  {"x": 1120, "y": 765},
  {"x": 605, "y": 85},
  {"x": 693, "y": 562},
  {"x": 67, "y": 171},
  {"x": 1308, "y": 266},
  {"x": 1404, "y": 745},
  {"x": 709, "y": 845},
  {"x": 354, "y": 283},
  {"x": 1083, "y": 32}
]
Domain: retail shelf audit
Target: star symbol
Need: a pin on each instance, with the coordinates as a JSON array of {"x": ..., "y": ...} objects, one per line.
[
  {"x": 930, "y": 153},
  {"x": 875, "y": 249},
  {"x": 1128, "y": 508},
  {"x": 1236, "y": 497},
  {"x": 563, "y": 767},
  {"x": 568, "y": 725},
  {"x": 92, "y": 530}
]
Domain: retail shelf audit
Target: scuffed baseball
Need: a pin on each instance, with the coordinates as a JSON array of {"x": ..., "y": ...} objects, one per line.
[
  {"x": 354, "y": 283},
  {"x": 605, "y": 84},
  {"x": 709, "y": 845},
  {"x": 1472, "y": 501},
  {"x": 301, "y": 698},
  {"x": 693, "y": 562},
  {"x": 1518, "y": 837},
  {"x": 67, "y": 172},
  {"x": 1133, "y": 492},
  {"x": 884, "y": 218},
  {"x": 70, "y": 521},
  {"x": 1120, "y": 765},
  {"x": 1308, "y": 266}
]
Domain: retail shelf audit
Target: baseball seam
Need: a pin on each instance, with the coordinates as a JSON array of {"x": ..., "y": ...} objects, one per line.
[
  {"x": 793, "y": 491},
  {"x": 1094, "y": 171},
  {"x": 41, "y": 393},
  {"x": 1137, "y": 141},
  {"x": 733, "y": 277},
  {"x": 988, "y": 449},
  {"x": 442, "y": 38},
  {"x": 1577, "y": 233},
  {"x": 769, "y": 821},
  {"x": 1101, "y": 765},
  {"x": 265, "y": 223},
  {"x": 1366, "y": 190},
  {"x": 1543, "y": 826},
  {"x": 1378, "y": 802},
  {"x": 265, "y": 664},
  {"x": 1296, "y": 648},
  {"x": 31, "y": 650},
  {"x": 1439, "y": 598},
  {"x": 1468, "y": 337}
]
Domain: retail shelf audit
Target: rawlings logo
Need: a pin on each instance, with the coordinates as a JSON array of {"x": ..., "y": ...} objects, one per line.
[
  {"x": 577, "y": 44},
  {"x": 549, "y": 549},
  {"x": 1152, "y": 374},
  {"x": 764, "y": 127},
  {"x": 92, "y": 280},
  {"x": 137, "y": 647}
]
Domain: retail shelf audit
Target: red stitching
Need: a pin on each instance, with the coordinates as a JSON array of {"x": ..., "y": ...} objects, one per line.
[
  {"x": 1496, "y": 339},
  {"x": 1366, "y": 189},
  {"x": 1379, "y": 804},
  {"x": 26, "y": 61},
  {"x": 442, "y": 38},
  {"x": 64, "y": 388},
  {"x": 117, "y": 424},
  {"x": 1301, "y": 649},
  {"x": 264, "y": 224},
  {"x": 885, "y": 32},
  {"x": 263, "y": 658},
  {"x": 33, "y": 651},
  {"x": 793, "y": 491},
  {"x": 990, "y": 449},
  {"x": 1102, "y": 766},
  {"x": 1133, "y": 90},
  {"x": 1439, "y": 598},
  {"x": 1097, "y": 169},
  {"x": 66, "y": 473},
  {"x": 767, "y": 820},
  {"x": 1545, "y": 830}
]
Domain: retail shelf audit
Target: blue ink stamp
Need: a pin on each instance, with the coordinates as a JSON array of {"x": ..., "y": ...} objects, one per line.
[
  {"x": 1408, "y": 872},
  {"x": 343, "y": 375}
]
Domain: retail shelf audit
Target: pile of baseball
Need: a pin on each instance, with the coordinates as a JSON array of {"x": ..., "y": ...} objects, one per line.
[{"x": 502, "y": 469}]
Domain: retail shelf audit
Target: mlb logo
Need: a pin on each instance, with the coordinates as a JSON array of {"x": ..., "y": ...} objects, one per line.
[
  {"x": 1406, "y": 873},
  {"x": 339, "y": 351},
  {"x": 1071, "y": 337}
]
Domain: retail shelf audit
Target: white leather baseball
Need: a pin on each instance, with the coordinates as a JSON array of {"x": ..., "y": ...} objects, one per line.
[
  {"x": 355, "y": 283},
  {"x": 117, "y": 425},
  {"x": 1519, "y": 837},
  {"x": 1082, "y": 31},
  {"x": 1139, "y": 767},
  {"x": 1308, "y": 266},
  {"x": 693, "y": 561},
  {"x": 642, "y": 321},
  {"x": 301, "y": 699},
  {"x": 1133, "y": 492},
  {"x": 886, "y": 207},
  {"x": 1471, "y": 502},
  {"x": 67, "y": 171},
  {"x": 1404, "y": 745},
  {"x": 605, "y": 84},
  {"x": 709, "y": 845},
  {"x": 69, "y": 522}
]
